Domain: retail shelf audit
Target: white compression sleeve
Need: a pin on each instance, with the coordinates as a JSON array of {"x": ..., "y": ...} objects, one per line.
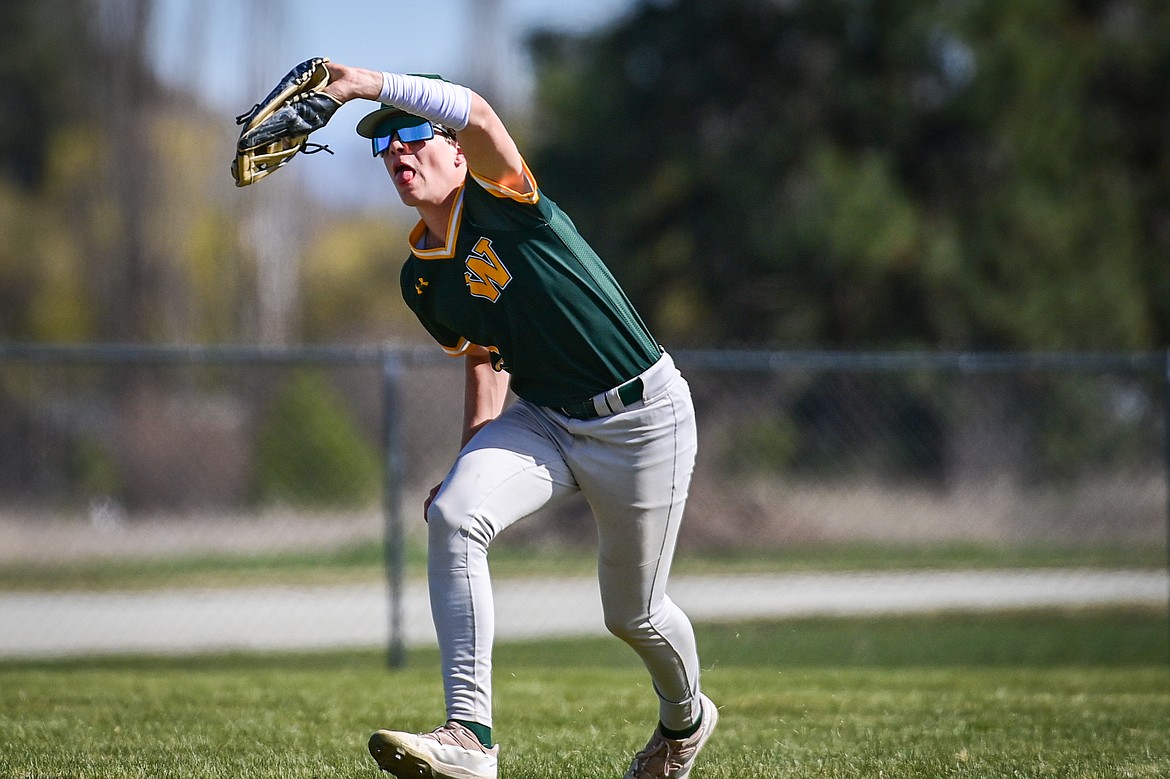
[{"x": 430, "y": 98}]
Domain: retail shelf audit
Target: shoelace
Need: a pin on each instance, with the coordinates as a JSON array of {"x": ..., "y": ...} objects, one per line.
[{"x": 660, "y": 746}]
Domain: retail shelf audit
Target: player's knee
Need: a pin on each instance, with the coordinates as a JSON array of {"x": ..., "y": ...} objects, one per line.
[
  {"x": 438, "y": 513},
  {"x": 447, "y": 517},
  {"x": 627, "y": 627}
]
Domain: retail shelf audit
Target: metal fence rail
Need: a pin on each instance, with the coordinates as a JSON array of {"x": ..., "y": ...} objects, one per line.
[{"x": 213, "y": 449}]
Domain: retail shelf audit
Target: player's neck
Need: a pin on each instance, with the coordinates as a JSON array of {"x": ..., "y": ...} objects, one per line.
[
  {"x": 431, "y": 240},
  {"x": 437, "y": 218},
  {"x": 435, "y": 235}
]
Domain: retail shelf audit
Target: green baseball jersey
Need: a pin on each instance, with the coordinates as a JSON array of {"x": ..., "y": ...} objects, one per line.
[{"x": 517, "y": 278}]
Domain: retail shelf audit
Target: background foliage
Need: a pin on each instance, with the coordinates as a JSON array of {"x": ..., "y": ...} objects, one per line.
[
  {"x": 888, "y": 173},
  {"x": 840, "y": 174},
  {"x": 309, "y": 450}
]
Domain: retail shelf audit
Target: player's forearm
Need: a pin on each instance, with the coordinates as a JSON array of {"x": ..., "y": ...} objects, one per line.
[
  {"x": 485, "y": 391},
  {"x": 434, "y": 99},
  {"x": 348, "y": 83}
]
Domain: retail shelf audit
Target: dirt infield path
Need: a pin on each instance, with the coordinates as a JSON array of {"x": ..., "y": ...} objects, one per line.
[{"x": 191, "y": 621}]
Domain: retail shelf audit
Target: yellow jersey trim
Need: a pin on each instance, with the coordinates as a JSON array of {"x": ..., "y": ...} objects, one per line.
[
  {"x": 446, "y": 251},
  {"x": 459, "y": 349},
  {"x": 464, "y": 346},
  {"x": 499, "y": 190}
]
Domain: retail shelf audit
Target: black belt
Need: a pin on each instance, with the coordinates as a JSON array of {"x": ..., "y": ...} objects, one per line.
[{"x": 630, "y": 393}]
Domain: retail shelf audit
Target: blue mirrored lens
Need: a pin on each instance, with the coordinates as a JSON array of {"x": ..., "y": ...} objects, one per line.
[
  {"x": 419, "y": 132},
  {"x": 381, "y": 144}
]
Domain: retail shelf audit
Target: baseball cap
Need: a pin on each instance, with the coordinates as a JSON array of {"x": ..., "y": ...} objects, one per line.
[{"x": 388, "y": 119}]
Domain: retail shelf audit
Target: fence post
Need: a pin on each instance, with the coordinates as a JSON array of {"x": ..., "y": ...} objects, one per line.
[
  {"x": 1166, "y": 456},
  {"x": 392, "y": 483}
]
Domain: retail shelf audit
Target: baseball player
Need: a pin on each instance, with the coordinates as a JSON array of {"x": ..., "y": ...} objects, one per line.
[{"x": 498, "y": 275}]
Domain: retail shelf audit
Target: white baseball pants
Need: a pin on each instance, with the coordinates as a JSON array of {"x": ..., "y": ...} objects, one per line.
[{"x": 634, "y": 469}]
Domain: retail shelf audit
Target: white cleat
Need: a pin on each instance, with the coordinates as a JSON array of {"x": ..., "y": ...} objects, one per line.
[
  {"x": 669, "y": 758},
  {"x": 448, "y": 752}
]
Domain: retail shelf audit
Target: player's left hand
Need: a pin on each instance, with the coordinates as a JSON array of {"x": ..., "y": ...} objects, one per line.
[
  {"x": 277, "y": 128},
  {"x": 429, "y": 500}
]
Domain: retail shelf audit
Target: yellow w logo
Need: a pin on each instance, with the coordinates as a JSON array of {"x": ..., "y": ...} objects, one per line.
[{"x": 486, "y": 276}]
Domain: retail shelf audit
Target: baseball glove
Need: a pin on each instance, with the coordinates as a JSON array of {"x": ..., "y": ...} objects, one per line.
[{"x": 277, "y": 128}]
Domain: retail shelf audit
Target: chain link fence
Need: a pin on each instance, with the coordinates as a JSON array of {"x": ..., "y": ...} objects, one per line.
[{"x": 187, "y": 498}]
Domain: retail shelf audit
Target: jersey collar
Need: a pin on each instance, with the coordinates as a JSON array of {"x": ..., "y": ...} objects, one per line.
[{"x": 447, "y": 251}]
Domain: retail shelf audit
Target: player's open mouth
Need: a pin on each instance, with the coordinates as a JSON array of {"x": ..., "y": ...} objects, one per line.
[{"x": 403, "y": 173}]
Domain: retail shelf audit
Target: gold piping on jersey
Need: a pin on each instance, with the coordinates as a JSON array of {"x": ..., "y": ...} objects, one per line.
[
  {"x": 499, "y": 190},
  {"x": 446, "y": 251},
  {"x": 464, "y": 346},
  {"x": 459, "y": 349}
]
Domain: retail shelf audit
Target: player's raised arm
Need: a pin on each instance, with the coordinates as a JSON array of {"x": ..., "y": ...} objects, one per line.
[{"x": 489, "y": 148}]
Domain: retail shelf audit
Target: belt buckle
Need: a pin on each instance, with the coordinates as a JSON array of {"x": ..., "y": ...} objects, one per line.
[{"x": 637, "y": 385}]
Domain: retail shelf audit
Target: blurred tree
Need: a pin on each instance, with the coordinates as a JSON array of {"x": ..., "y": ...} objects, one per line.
[
  {"x": 116, "y": 226},
  {"x": 47, "y": 51},
  {"x": 310, "y": 451},
  {"x": 43, "y": 97},
  {"x": 1129, "y": 84},
  {"x": 71, "y": 159},
  {"x": 131, "y": 267},
  {"x": 872, "y": 173}
]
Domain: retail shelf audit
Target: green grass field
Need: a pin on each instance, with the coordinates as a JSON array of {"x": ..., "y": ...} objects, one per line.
[
  {"x": 365, "y": 562},
  {"x": 1031, "y": 694}
]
